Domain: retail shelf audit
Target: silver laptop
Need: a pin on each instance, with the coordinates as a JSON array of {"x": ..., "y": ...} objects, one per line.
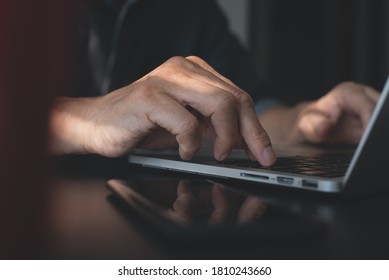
[{"x": 364, "y": 169}]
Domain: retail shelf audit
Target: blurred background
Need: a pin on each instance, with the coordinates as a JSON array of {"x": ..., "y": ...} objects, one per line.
[{"x": 303, "y": 48}]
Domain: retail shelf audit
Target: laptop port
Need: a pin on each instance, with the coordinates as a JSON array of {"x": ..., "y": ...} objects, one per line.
[
  {"x": 309, "y": 183},
  {"x": 285, "y": 180},
  {"x": 254, "y": 176}
]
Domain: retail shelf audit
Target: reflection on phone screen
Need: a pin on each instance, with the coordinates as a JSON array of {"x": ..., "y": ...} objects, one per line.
[{"x": 208, "y": 209}]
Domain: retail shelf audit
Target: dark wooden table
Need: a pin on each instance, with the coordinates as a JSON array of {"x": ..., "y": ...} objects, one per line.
[{"x": 84, "y": 221}]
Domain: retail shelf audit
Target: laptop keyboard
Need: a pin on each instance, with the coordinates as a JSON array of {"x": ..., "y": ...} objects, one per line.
[{"x": 323, "y": 166}]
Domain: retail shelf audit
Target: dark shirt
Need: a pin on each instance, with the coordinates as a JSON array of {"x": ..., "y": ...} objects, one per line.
[{"x": 151, "y": 32}]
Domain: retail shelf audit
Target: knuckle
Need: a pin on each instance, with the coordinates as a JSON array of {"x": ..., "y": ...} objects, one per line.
[
  {"x": 349, "y": 84},
  {"x": 348, "y": 87},
  {"x": 244, "y": 98},
  {"x": 196, "y": 59},
  {"x": 175, "y": 60},
  {"x": 225, "y": 102},
  {"x": 174, "y": 67}
]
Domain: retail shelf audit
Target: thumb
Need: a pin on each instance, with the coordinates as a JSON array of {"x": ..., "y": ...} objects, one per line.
[{"x": 315, "y": 126}]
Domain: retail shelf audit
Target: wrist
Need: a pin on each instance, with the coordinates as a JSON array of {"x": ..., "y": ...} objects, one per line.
[{"x": 281, "y": 123}]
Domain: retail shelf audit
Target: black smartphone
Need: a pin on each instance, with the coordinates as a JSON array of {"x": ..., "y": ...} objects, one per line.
[{"x": 189, "y": 209}]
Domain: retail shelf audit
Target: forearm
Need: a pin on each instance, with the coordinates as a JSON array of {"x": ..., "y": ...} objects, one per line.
[{"x": 68, "y": 125}]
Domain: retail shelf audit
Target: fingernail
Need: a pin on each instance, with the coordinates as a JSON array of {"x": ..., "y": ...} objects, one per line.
[
  {"x": 269, "y": 155},
  {"x": 222, "y": 156},
  {"x": 185, "y": 155}
]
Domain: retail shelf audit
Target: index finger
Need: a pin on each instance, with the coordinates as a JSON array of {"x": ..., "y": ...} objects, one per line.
[{"x": 250, "y": 129}]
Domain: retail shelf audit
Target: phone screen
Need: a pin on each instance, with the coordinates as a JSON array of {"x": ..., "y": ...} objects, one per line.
[{"x": 199, "y": 208}]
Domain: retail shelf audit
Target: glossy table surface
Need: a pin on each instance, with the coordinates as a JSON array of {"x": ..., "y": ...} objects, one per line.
[{"x": 85, "y": 221}]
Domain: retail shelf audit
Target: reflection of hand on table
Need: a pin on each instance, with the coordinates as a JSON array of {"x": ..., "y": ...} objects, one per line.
[{"x": 218, "y": 203}]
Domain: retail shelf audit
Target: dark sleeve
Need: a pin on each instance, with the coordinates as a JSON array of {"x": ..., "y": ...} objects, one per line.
[
  {"x": 155, "y": 31},
  {"x": 221, "y": 49},
  {"x": 162, "y": 29}
]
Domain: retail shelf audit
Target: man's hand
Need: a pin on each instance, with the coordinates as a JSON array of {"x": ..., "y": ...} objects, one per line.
[
  {"x": 179, "y": 103},
  {"x": 339, "y": 117}
]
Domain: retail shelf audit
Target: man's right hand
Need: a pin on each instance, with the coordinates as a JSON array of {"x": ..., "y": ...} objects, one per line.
[{"x": 179, "y": 103}]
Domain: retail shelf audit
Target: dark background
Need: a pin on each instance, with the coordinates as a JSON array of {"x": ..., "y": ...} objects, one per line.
[{"x": 303, "y": 48}]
